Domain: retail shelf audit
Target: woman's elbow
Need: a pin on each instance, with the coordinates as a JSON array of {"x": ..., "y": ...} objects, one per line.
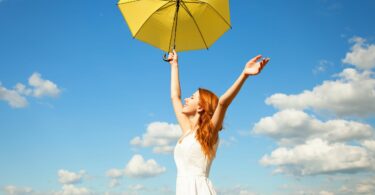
[
  {"x": 223, "y": 103},
  {"x": 175, "y": 97}
]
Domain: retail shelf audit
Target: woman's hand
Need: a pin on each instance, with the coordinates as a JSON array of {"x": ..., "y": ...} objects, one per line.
[
  {"x": 173, "y": 57},
  {"x": 253, "y": 67}
]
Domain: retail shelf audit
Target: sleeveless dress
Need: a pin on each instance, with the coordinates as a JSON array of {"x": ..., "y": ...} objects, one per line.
[{"x": 193, "y": 167}]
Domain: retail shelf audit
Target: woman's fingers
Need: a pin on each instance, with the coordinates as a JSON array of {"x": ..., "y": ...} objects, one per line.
[
  {"x": 256, "y": 58},
  {"x": 175, "y": 53},
  {"x": 170, "y": 57},
  {"x": 264, "y": 62}
]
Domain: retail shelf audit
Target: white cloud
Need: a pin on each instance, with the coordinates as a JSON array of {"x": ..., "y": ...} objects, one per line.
[
  {"x": 322, "y": 66},
  {"x": 311, "y": 192},
  {"x": 67, "y": 177},
  {"x": 370, "y": 145},
  {"x": 43, "y": 87},
  {"x": 345, "y": 190},
  {"x": 67, "y": 188},
  {"x": 115, "y": 175},
  {"x": 159, "y": 135},
  {"x": 70, "y": 189},
  {"x": 366, "y": 187},
  {"x": 22, "y": 89},
  {"x": 166, "y": 190},
  {"x": 235, "y": 190},
  {"x": 14, "y": 99},
  {"x": 138, "y": 167},
  {"x": 309, "y": 146},
  {"x": 227, "y": 142},
  {"x": 114, "y": 183},
  {"x": 325, "y": 193},
  {"x": 319, "y": 157},
  {"x": 323, "y": 185},
  {"x": 13, "y": 190},
  {"x": 353, "y": 94},
  {"x": 290, "y": 127},
  {"x": 136, "y": 187},
  {"x": 362, "y": 55}
]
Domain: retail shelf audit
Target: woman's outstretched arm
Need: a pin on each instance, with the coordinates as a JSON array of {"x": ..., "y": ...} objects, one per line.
[
  {"x": 252, "y": 67},
  {"x": 176, "y": 93}
]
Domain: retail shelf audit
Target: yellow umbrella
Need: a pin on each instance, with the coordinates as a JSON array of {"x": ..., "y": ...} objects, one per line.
[{"x": 179, "y": 24}]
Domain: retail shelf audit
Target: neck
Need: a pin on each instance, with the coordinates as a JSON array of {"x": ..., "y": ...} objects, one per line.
[{"x": 194, "y": 121}]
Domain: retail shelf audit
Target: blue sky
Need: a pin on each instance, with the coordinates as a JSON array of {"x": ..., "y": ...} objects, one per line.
[{"x": 85, "y": 108}]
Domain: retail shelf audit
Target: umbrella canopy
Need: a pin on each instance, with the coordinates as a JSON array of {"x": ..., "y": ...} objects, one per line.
[{"x": 179, "y": 24}]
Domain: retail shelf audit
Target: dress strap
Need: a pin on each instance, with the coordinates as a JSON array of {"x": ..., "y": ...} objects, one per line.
[{"x": 184, "y": 135}]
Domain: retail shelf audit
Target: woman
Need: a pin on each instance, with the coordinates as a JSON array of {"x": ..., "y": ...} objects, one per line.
[{"x": 201, "y": 119}]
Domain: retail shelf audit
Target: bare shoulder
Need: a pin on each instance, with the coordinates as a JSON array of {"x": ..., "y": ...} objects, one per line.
[{"x": 184, "y": 123}]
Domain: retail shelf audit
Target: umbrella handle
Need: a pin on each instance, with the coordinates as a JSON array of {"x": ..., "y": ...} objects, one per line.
[{"x": 165, "y": 58}]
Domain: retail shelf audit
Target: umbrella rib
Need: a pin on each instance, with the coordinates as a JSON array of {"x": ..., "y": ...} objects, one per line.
[
  {"x": 174, "y": 27},
  {"x": 193, "y": 2},
  {"x": 195, "y": 22},
  {"x": 127, "y": 2},
  {"x": 149, "y": 18},
  {"x": 215, "y": 12},
  {"x": 165, "y": 7}
]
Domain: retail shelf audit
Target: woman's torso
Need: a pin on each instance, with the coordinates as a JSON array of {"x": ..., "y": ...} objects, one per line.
[{"x": 189, "y": 157}]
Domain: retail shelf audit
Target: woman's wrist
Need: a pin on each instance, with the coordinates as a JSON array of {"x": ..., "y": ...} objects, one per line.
[{"x": 245, "y": 76}]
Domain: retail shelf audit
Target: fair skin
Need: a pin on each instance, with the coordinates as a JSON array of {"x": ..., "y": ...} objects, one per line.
[{"x": 188, "y": 114}]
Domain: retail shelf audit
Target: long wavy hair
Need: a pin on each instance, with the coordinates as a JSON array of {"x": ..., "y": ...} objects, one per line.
[{"x": 206, "y": 135}]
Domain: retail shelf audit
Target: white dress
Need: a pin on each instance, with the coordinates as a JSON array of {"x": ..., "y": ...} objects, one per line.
[{"x": 193, "y": 167}]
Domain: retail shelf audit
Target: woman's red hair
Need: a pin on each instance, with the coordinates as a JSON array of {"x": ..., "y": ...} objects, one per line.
[{"x": 206, "y": 135}]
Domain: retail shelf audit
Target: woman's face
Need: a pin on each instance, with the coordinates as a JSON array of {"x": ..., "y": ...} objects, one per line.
[{"x": 191, "y": 104}]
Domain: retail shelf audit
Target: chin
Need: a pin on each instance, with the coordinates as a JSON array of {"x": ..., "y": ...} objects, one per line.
[{"x": 187, "y": 112}]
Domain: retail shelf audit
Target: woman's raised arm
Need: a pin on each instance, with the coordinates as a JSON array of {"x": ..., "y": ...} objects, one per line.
[
  {"x": 176, "y": 93},
  {"x": 252, "y": 67}
]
